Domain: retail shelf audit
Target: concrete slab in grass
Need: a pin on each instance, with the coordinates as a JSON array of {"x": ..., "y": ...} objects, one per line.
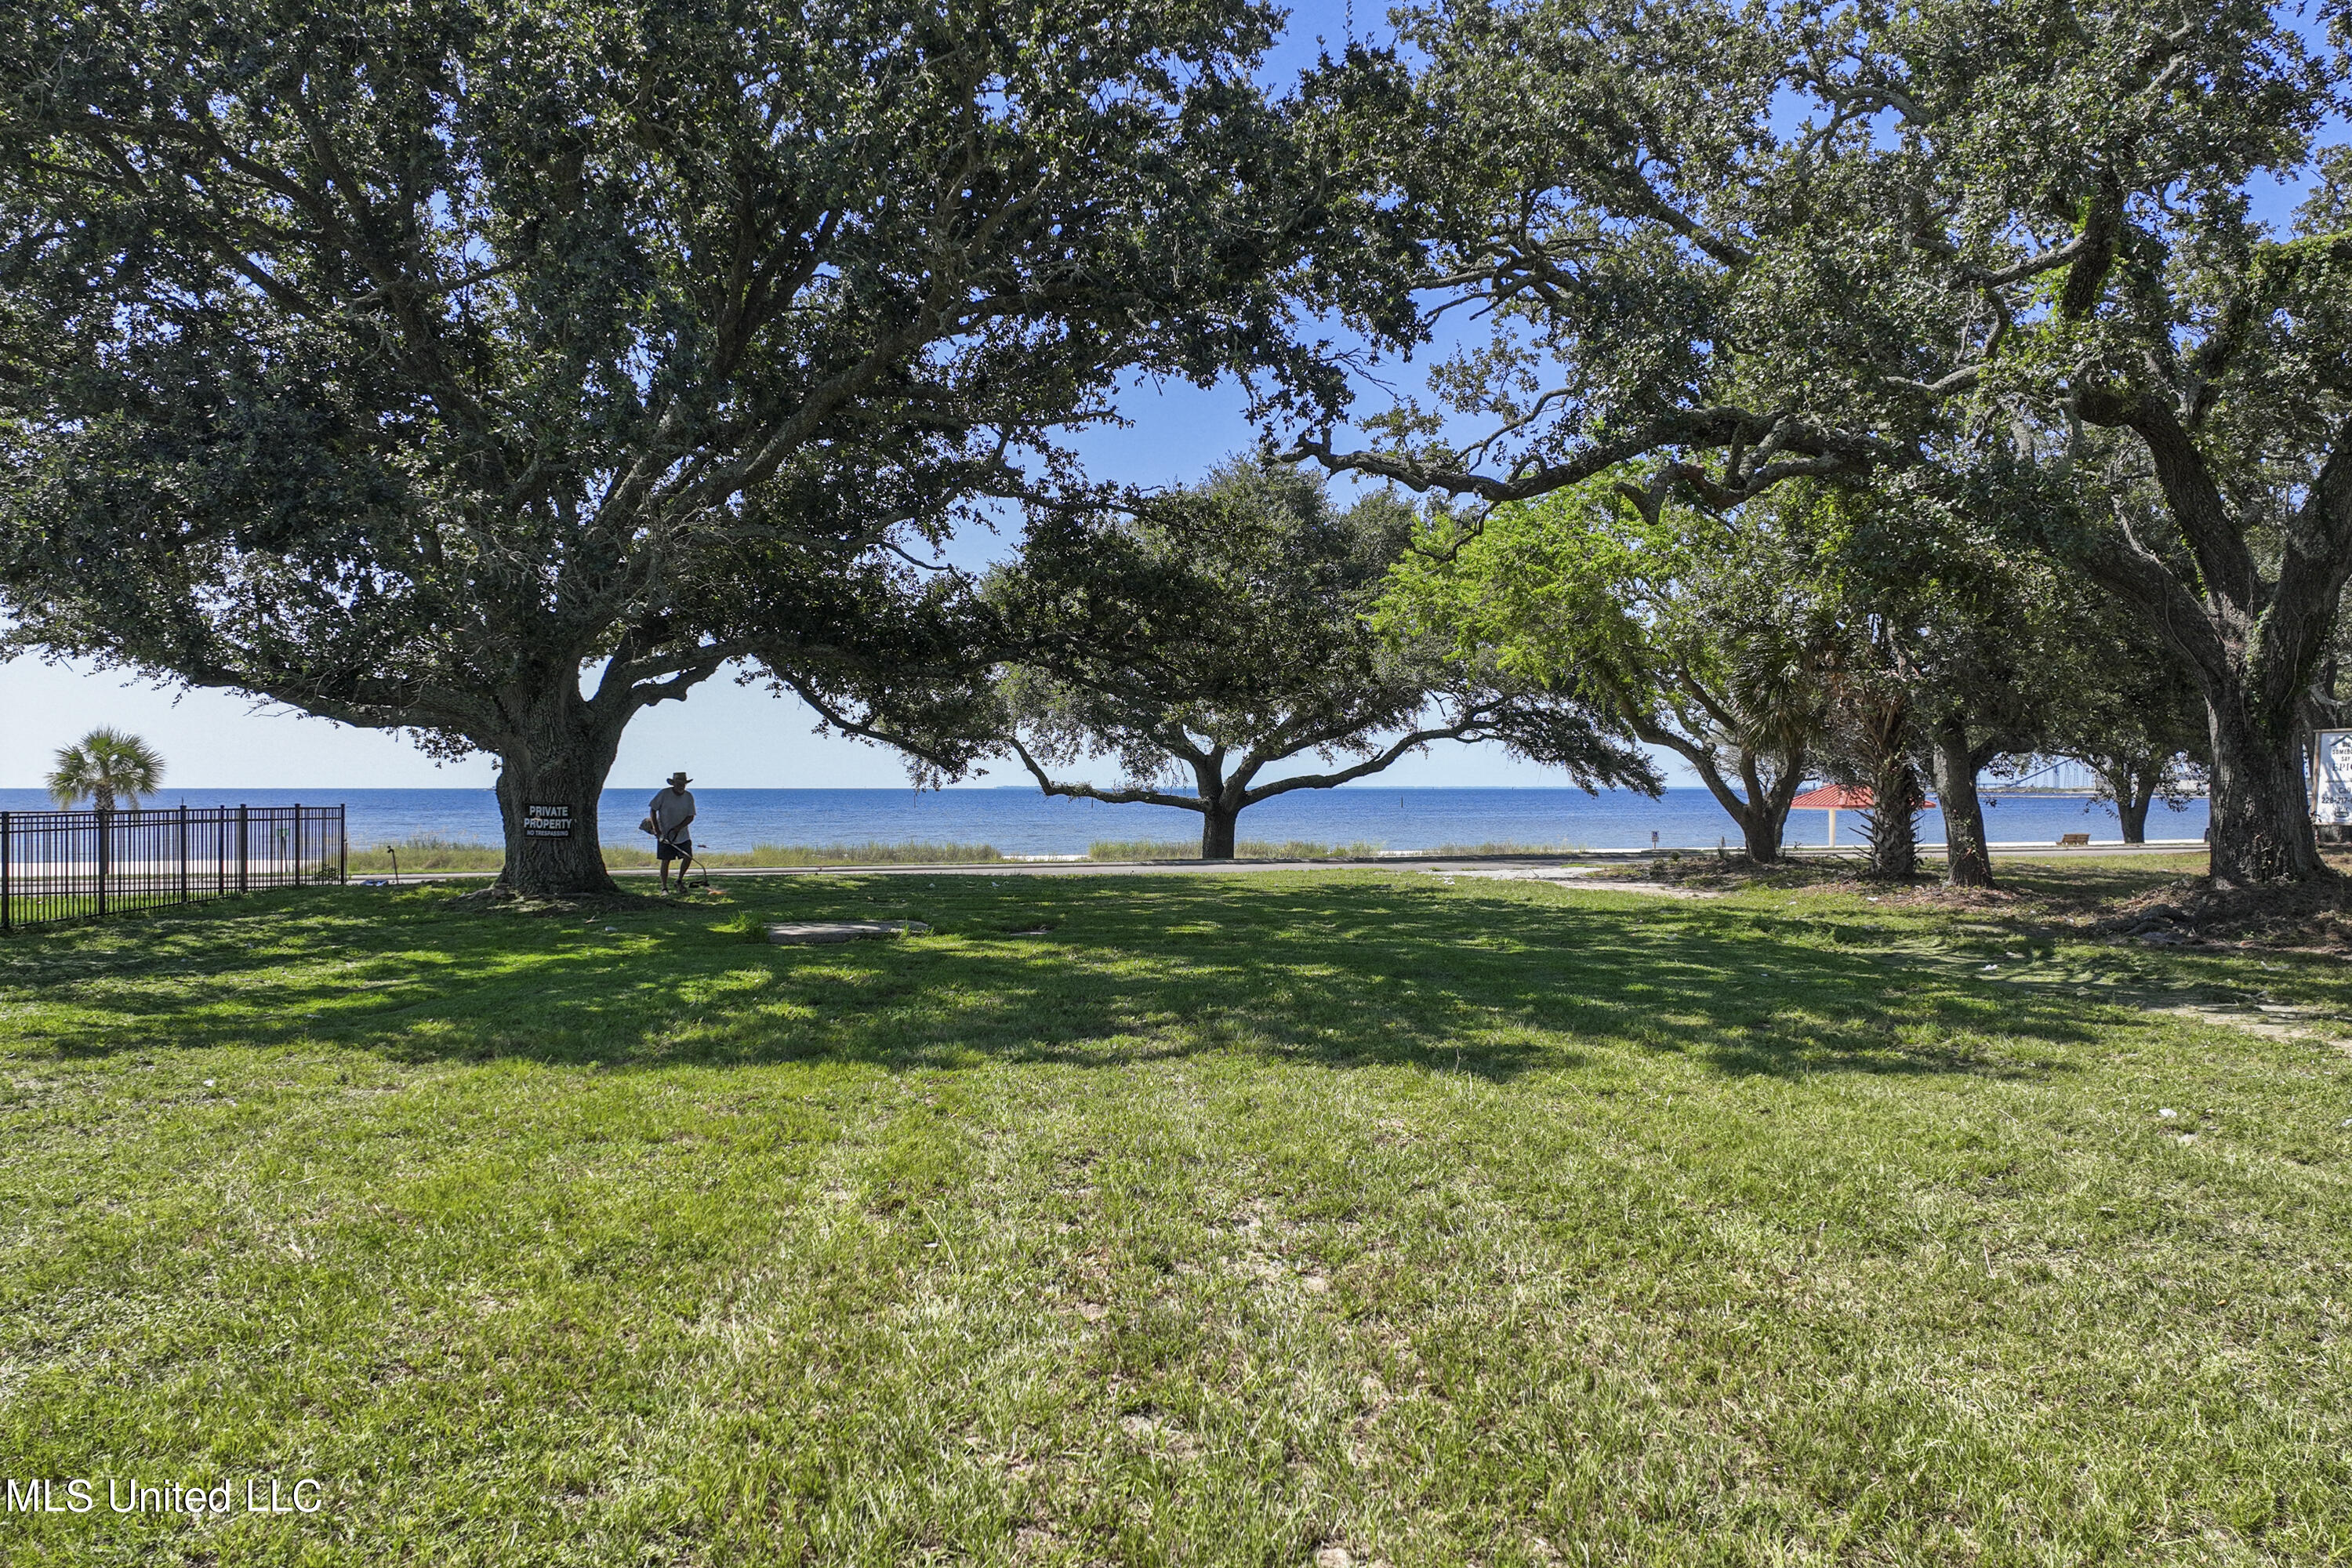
[{"x": 803, "y": 933}]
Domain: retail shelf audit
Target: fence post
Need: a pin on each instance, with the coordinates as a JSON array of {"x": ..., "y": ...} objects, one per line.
[
  {"x": 244, "y": 841},
  {"x": 342, "y": 845},
  {"x": 8, "y": 854},
  {"x": 105, "y": 844},
  {"x": 184, "y": 852}
]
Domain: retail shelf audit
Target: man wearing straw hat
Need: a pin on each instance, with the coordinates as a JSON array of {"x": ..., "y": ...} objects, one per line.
[{"x": 667, "y": 819}]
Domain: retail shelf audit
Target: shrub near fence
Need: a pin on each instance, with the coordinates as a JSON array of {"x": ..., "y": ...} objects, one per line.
[{"x": 74, "y": 864}]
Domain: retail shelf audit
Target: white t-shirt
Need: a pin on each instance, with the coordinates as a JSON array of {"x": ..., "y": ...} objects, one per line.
[{"x": 671, "y": 811}]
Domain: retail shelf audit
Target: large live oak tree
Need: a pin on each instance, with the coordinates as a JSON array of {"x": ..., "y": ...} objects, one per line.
[
  {"x": 1213, "y": 639},
  {"x": 1742, "y": 246},
  {"x": 1690, "y": 635},
  {"x": 444, "y": 366},
  {"x": 2181, "y": 373}
]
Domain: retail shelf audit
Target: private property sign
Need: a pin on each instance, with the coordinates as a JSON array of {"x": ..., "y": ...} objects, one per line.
[
  {"x": 2331, "y": 778},
  {"x": 547, "y": 822}
]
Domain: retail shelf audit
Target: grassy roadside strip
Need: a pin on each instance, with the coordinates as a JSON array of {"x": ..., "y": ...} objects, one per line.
[{"x": 447, "y": 855}]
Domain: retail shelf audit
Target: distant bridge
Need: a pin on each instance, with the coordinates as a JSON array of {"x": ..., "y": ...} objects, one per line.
[
  {"x": 2050, "y": 777},
  {"x": 2059, "y": 775}
]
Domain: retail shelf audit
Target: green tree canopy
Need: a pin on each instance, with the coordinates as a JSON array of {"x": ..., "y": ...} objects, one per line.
[
  {"x": 1747, "y": 245},
  {"x": 1209, "y": 636},
  {"x": 443, "y": 366},
  {"x": 1691, "y": 633},
  {"x": 1947, "y": 630}
]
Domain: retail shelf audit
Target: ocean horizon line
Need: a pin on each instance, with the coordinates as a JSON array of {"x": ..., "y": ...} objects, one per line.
[{"x": 1027, "y": 821}]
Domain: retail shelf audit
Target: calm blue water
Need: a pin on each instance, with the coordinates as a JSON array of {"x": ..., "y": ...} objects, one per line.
[{"x": 1022, "y": 821}]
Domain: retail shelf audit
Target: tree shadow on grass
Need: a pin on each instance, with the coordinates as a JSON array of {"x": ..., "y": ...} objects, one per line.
[
  {"x": 1340, "y": 970},
  {"x": 2084, "y": 886}
]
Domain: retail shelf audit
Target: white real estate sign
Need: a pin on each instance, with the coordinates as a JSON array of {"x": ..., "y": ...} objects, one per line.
[{"x": 2331, "y": 792}]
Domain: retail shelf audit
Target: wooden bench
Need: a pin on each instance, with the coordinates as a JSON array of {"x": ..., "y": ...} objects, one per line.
[{"x": 2069, "y": 840}]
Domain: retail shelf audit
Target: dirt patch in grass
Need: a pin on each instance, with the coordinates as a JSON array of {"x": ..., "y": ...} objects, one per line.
[
  {"x": 2153, "y": 905},
  {"x": 506, "y": 901},
  {"x": 1733, "y": 873},
  {"x": 1666, "y": 889},
  {"x": 1738, "y": 874},
  {"x": 2314, "y": 916}
]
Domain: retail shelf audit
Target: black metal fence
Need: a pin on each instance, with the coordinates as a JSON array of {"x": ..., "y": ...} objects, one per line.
[{"x": 74, "y": 864}]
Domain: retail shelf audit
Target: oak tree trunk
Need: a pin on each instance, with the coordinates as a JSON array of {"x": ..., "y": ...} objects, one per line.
[
  {"x": 1217, "y": 827},
  {"x": 1764, "y": 815},
  {"x": 2132, "y": 781},
  {"x": 558, "y": 758},
  {"x": 2131, "y": 805},
  {"x": 1967, "y": 860},
  {"x": 2262, "y": 822},
  {"x": 2253, "y": 641},
  {"x": 1761, "y": 813},
  {"x": 1761, "y": 828}
]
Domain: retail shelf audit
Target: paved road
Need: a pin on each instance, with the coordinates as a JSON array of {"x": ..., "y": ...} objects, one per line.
[
  {"x": 1553, "y": 865},
  {"x": 1533, "y": 865}
]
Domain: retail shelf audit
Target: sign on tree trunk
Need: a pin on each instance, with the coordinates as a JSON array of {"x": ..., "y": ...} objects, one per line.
[{"x": 2331, "y": 799}]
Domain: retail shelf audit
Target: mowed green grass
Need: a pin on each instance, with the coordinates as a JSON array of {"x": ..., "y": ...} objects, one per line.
[{"x": 1231, "y": 1219}]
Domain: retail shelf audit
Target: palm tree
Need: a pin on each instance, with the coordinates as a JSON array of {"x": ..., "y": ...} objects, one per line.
[{"x": 103, "y": 765}]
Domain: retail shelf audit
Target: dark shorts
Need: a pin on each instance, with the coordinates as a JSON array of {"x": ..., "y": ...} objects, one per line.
[{"x": 679, "y": 848}]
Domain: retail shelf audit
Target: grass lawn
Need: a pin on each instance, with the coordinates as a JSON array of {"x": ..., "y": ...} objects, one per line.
[{"x": 1232, "y": 1220}]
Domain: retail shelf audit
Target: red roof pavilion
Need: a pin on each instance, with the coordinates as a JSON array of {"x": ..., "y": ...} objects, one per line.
[{"x": 1835, "y": 798}]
